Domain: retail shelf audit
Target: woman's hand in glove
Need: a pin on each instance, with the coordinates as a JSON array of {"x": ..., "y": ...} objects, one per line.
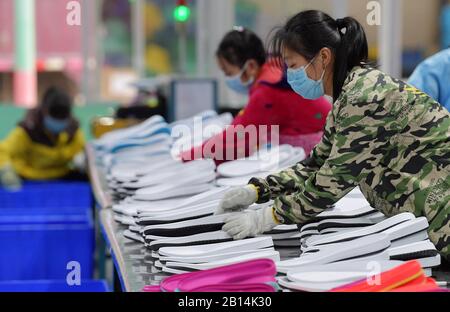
[
  {"x": 250, "y": 223},
  {"x": 238, "y": 199}
]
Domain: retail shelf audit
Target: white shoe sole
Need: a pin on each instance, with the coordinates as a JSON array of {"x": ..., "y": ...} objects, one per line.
[
  {"x": 168, "y": 191},
  {"x": 199, "y": 239},
  {"x": 359, "y": 248},
  {"x": 370, "y": 230},
  {"x": 326, "y": 277},
  {"x": 213, "y": 249},
  {"x": 212, "y": 258},
  {"x": 260, "y": 162},
  {"x": 264, "y": 254}
]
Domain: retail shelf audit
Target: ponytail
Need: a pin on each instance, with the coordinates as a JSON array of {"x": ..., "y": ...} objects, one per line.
[
  {"x": 352, "y": 51},
  {"x": 310, "y": 31}
]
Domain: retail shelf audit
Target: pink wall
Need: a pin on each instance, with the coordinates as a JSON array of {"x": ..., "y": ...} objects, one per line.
[
  {"x": 6, "y": 28},
  {"x": 54, "y": 36}
]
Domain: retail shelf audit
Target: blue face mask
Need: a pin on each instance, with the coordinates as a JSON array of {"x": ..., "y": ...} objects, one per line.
[
  {"x": 55, "y": 126},
  {"x": 235, "y": 83},
  {"x": 305, "y": 86}
]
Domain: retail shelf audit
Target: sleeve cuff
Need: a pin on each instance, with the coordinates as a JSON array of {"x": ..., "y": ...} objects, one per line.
[
  {"x": 275, "y": 218},
  {"x": 256, "y": 189},
  {"x": 264, "y": 194}
]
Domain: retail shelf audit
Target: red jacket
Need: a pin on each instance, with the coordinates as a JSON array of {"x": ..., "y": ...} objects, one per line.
[{"x": 269, "y": 105}]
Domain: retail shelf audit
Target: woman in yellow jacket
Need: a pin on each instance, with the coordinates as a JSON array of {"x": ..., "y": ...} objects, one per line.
[{"x": 44, "y": 144}]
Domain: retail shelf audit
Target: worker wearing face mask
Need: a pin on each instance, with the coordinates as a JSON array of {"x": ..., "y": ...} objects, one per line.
[
  {"x": 383, "y": 135},
  {"x": 43, "y": 145},
  {"x": 272, "y": 102}
]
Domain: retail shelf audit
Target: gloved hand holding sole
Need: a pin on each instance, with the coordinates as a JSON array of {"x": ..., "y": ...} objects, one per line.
[
  {"x": 250, "y": 223},
  {"x": 238, "y": 199}
]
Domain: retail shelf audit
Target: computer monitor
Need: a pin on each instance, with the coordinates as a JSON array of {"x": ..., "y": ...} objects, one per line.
[{"x": 190, "y": 96}]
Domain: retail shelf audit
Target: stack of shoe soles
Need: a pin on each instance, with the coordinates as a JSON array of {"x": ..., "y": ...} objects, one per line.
[
  {"x": 400, "y": 238},
  {"x": 358, "y": 214},
  {"x": 405, "y": 278},
  {"x": 158, "y": 232},
  {"x": 152, "y": 130},
  {"x": 151, "y": 138},
  {"x": 189, "y": 224},
  {"x": 138, "y": 155},
  {"x": 193, "y": 230},
  {"x": 132, "y": 211},
  {"x": 325, "y": 277},
  {"x": 130, "y": 172},
  {"x": 114, "y": 138},
  {"x": 261, "y": 164},
  {"x": 206, "y": 118},
  {"x": 175, "y": 259},
  {"x": 154, "y": 134},
  {"x": 211, "y": 124},
  {"x": 143, "y": 179},
  {"x": 361, "y": 276},
  {"x": 131, "y": 167},
  {"x": 168, "y": 179},
  {"x": 249, "y": 276}
]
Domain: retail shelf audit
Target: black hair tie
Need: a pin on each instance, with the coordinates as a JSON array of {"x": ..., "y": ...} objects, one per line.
[
  {"x": 341, "y": 27},
  {"x": 340, "y": 22}
]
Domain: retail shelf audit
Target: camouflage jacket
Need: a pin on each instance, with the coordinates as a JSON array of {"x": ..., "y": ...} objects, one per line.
[{"x": 385, "y": 136}]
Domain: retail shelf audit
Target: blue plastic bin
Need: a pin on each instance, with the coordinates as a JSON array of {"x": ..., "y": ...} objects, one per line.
[
  {"x": 53, "y": 286},
  {"x": 42, "y": 251},
  {"x": 65, "y": 197},
  {"x": 43, "y": 228}
]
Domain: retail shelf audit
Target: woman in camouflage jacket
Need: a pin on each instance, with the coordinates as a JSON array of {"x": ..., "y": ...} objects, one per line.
[{"x": 383, "y": 135}]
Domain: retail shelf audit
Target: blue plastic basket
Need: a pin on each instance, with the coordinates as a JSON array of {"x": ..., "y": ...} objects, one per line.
[
  {"x": 43, "y": 228},
  {"x": 65, "y": 197},
  {"x": 53, "y": 286},
  {"x": 42, "y": 251}
]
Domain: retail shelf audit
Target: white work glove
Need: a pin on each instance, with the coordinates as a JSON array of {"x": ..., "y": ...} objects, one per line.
[
  {"x": 238, "y": 199},
  {"x": 250, "y": 223},
  {"x": 9, "y": 179}
]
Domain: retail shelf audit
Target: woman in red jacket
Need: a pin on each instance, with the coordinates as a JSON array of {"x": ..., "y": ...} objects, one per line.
[{"x": 242, "y": 58}]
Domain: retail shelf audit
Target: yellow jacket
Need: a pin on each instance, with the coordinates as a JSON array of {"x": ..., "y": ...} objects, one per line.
[{"x": 37, "y": 161}]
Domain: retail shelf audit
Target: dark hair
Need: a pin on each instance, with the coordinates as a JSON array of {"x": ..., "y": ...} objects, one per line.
[
  {"x": 310, "y": 31},
  {"x": 57, "y": 103},
  {"x": 240, "y": 45}
]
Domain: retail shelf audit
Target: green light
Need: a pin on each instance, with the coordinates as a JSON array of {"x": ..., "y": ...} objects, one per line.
[{"x": 182, "y": 13}]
